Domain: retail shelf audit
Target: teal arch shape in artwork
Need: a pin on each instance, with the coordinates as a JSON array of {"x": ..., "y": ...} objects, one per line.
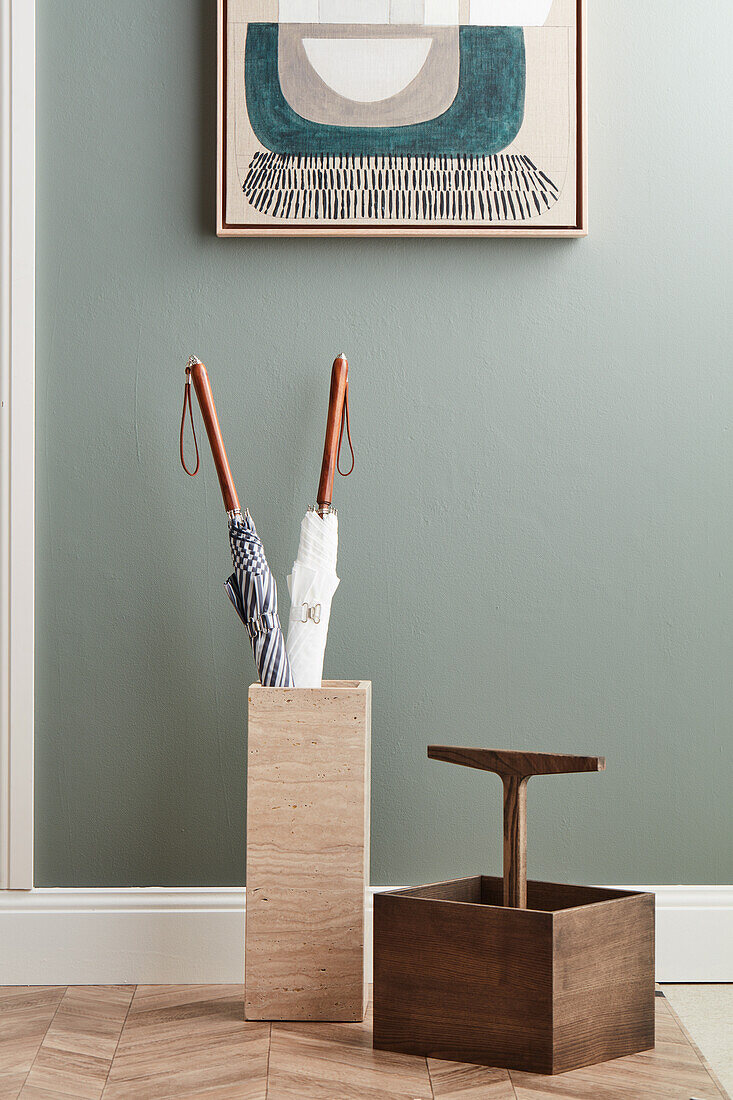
[{"x": 483, "y": 119}]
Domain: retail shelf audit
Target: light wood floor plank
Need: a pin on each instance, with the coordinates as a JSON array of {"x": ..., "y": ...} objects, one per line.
[
  {"x": 337, "y": 1062},
  {"x": 192, "y": 1041},
  {"x": 713, "y": 1075},
  {"x": 456, "y": 1081},
  {"x": 187, "y": 1041},
  {"x": 79, "y": 1046},
  {"x": 25, "y": 1015},
  {"x": 31, "y": 1093}
]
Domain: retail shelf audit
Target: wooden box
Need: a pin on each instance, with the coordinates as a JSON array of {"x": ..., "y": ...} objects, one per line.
[
  {"x": 534, "y": 976},
  {"x": 308, "y": 801},
  {"x": 565, "y": 983}
]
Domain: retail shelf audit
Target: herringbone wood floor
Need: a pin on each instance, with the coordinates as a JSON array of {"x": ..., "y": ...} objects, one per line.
[{"x": 155, "y": 1042}]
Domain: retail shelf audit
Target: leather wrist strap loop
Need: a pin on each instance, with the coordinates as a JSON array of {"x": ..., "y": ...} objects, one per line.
[
  {"x": 345, "y": 420},
  {"x": 187, "y": 404}
]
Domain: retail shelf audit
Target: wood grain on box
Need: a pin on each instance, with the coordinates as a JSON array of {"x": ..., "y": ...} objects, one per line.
[
  {"x": 308, "y": 784},
  {"x": 532, "y": 976},
  {"x": 565, "y": 983}
]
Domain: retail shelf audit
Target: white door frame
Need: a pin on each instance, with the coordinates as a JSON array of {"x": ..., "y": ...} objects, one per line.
[{"x": 17, "y": 448}]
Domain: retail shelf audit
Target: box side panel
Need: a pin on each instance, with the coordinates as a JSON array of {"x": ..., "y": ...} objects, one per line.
[
  {"x": 307, "y": 854},
  {"x": 465, "y": 983},
  {"x": 367, "y": 830},
  {"x": 458, "y": 889},
  {"x": 603, "y": 982},
  {"x": 549, "y": 897},
  {"x": 554, "y": 896}
]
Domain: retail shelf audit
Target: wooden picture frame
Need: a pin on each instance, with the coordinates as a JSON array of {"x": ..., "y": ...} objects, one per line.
[{"x": 264, "y": 31}]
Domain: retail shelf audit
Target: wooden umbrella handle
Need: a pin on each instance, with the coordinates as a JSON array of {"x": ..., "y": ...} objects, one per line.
[
  {"x": 337, "y": 398},
  {"x": 202, "y": 386}
]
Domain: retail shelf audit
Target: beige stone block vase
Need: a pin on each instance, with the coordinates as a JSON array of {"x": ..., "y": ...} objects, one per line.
[{"x": 308, "y": 798}]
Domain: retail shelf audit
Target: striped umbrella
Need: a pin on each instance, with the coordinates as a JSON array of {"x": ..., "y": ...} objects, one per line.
[
  {"x": 253, "y": 592},
  {"x": 251, "y": 587}
]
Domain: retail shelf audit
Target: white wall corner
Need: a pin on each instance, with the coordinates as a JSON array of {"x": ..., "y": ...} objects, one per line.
[
  {"x": 190, "y": 936},
  {"x": 17, "y": 443}
]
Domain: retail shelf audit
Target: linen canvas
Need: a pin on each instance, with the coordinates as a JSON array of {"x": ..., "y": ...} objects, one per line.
[{"x": 401, "y": 115}]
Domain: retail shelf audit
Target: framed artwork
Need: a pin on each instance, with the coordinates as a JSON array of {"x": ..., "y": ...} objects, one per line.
[{"x": 401, "y": 117}]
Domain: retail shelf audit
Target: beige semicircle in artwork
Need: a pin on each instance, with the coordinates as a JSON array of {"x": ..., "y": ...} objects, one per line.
[{"x": 349, "y": 78}]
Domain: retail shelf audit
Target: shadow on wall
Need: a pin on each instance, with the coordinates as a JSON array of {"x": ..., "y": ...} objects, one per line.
[{"x": 205, "y": 76}]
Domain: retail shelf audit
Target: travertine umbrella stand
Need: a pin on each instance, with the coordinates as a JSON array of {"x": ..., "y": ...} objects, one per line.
[
  {"x": 308, "y": 797},
  {"x": 535, "y": 976}
]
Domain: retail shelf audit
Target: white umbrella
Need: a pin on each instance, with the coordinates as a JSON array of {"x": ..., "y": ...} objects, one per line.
[
  {"x": 312, "y": 584},
  {"x": 313, "y": 580}
]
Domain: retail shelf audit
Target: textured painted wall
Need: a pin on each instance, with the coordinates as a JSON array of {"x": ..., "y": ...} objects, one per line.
[{"x": 536, "y": 543}]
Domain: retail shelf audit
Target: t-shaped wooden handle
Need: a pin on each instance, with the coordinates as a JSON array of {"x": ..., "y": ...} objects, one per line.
[{"x": 515, "y": 769}]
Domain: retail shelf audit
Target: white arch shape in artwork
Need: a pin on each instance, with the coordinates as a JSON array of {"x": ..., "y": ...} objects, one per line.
[{"x": 367, "y": 70}]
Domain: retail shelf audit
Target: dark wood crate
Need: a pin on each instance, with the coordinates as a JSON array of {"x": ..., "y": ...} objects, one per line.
[{"x": 566, "y": 982}]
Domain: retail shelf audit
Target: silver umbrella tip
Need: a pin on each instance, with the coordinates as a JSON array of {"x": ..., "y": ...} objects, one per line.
[{"x": 193, "y": 360}]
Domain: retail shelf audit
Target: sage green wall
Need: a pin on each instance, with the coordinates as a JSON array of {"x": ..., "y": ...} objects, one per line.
[{"x": 536, "y": 542}]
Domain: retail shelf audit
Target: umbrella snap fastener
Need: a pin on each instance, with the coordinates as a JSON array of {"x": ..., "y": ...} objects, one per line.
[{"x": 313, "y": 613}]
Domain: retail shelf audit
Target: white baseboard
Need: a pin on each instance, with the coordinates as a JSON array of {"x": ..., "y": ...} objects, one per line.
[
  {"x": 694, "y": 933},
  {"x": 118, "y": 937},
  {"x": 184, "y": 936}
]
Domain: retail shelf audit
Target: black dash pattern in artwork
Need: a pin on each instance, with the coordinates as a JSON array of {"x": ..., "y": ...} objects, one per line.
[{"x": 507, "y": 187}]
